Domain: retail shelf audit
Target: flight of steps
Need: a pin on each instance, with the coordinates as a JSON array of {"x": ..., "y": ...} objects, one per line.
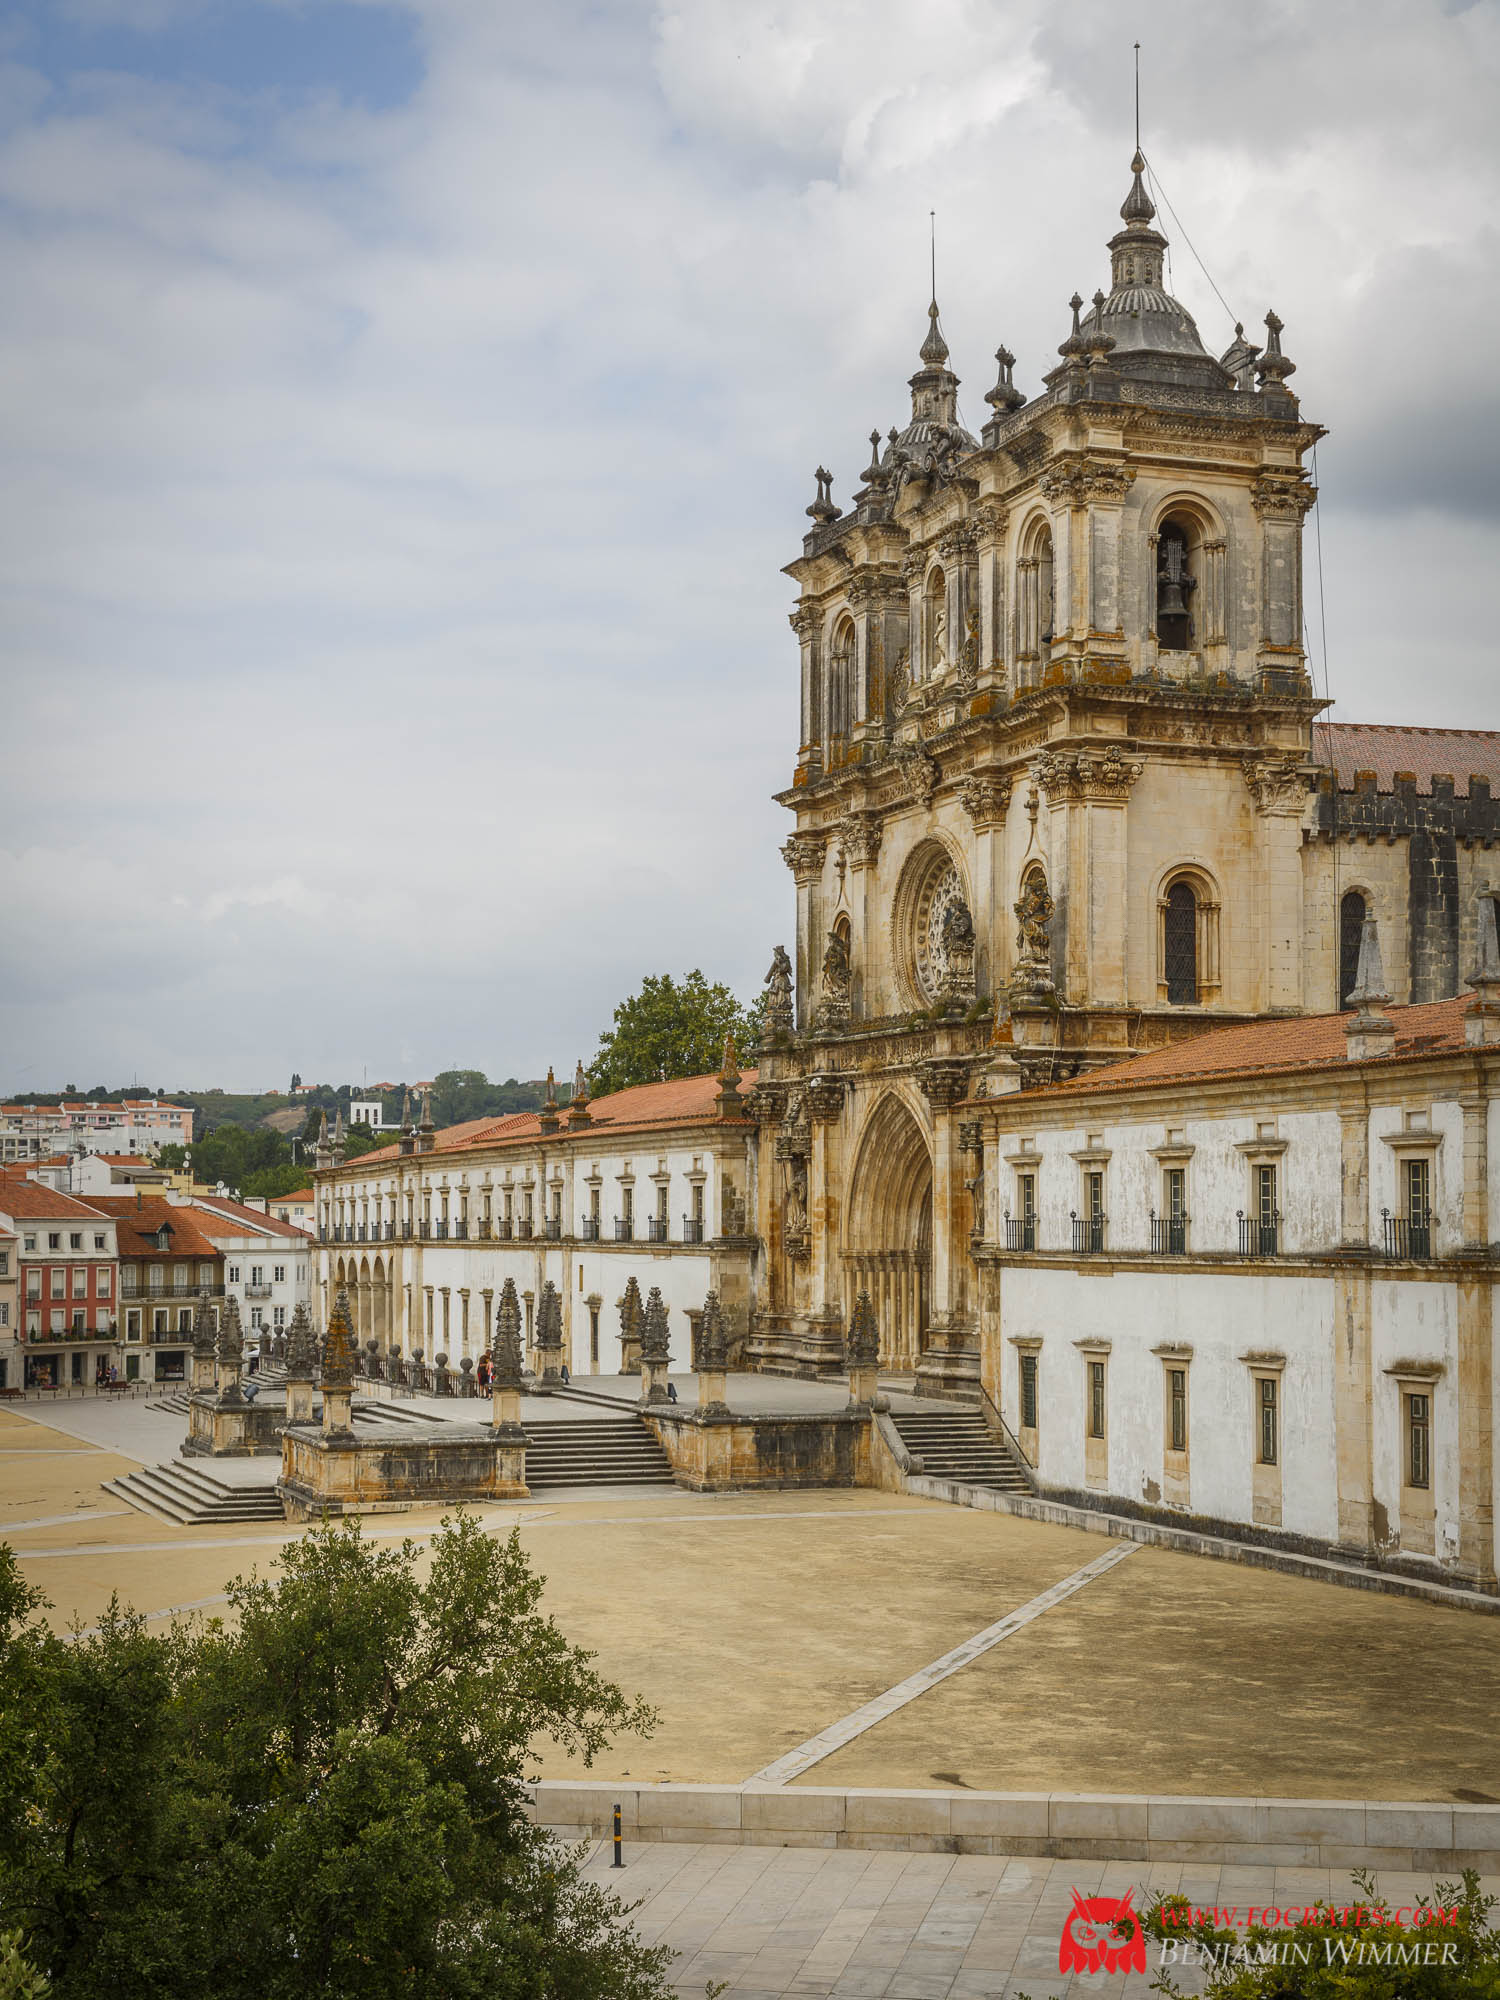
[
  {"x": 182, "y": 1491},
  {"x": 957, "y": 1444},
  {"x": 594, "y": 1451}
]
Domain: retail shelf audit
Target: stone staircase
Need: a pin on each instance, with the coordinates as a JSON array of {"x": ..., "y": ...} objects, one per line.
[
  {"x": 957, "y": 1444},
  {"x": 594, "y": 1451},
  {"x": 183, "y": 1491}
]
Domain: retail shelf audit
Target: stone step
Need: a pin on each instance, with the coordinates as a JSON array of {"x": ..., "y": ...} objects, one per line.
[
  {"x": 594, "y": 1452},
  {"x": 958, "y": 1445},
  {"x": 187, "y": 1494}
]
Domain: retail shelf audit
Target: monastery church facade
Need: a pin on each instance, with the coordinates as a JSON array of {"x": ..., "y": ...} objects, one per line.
[{"x": 1066, "y": 803}]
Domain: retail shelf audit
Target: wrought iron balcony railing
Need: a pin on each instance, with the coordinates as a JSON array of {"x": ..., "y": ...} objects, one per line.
[
  {"x": 1088, "y": 1234},
  {"x": 1260, "y": 1236},
  {"x": 1407, "y": 1236},
  {"x": 1169, "y": 1235}
]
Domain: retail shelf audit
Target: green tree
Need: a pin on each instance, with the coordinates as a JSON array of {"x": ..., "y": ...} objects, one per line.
[
  {"x": 320, "y": 1795},
  {"x": 668, "y": 1029}
]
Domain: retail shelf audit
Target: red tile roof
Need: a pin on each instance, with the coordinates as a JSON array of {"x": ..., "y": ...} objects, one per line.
[
  {"x": 136, "y": 1224},
  {"x": 19, "y": 1196},
  {"x": 1385, "y": 750},
  {"x": 1263, "y": 1048},
  {"x": 220, "y": 1209},
  {"x": 683, "y": 1100}
]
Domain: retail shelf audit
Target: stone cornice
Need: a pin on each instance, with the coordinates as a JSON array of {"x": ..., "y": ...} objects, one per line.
[{"x": 1099, "y": 777}]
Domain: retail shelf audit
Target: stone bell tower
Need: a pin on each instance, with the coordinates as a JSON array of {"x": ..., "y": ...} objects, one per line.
[{"x": 1053, "y": 767}]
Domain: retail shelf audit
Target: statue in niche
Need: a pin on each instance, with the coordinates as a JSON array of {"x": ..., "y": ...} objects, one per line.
[
  {"x": 1033, "y": 939},
  {"x": 780, "y": 1013},
  {"x": 956, "y": 938},
  {"x": 796, "y": 1199},
  {"x": 940, "y": 638},
  {"x": 833, "y": 1007}
]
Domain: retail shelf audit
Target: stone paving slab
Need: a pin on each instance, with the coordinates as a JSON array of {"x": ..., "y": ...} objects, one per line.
[{"x": 853, "y": 1925}]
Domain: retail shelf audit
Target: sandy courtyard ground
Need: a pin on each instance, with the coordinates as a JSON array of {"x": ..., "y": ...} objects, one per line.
[{"x": 754, "y": 1621}]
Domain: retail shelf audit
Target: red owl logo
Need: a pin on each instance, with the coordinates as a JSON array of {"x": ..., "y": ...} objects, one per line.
[{"x": 1102, "y": 1934}]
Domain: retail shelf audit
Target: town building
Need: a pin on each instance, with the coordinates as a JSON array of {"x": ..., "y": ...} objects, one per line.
[
  {"x": 267, "y": 1262},
  {"x": 68, "y": 1282},
  {"x": 11, "y": 1352},
  {"x": 655, "y": 1183},
  {"x": 29, "y": 1132},
  {"x": 367, "y": 1111},
  {"x": 300, "y": 1209},
  {"x": 167, "y": 1262}
]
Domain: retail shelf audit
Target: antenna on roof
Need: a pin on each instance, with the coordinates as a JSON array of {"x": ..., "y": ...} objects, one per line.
[
  {"x": 932, "y": 232},
  {"x": 1137, "y": 97}
]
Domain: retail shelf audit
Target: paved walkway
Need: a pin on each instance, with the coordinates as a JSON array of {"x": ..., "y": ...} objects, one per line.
[{"x": 773, "y": 1921}]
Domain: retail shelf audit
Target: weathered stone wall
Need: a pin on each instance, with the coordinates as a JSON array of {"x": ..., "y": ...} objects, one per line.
[
  {"x": 831, "y": 1450},
  {"x": 341, "y": 1473}
]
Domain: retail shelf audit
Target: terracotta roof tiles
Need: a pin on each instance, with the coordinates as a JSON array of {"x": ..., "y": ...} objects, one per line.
[
  {"x": 1386, "y": 750},
  {"x": 1311, "y": 1041}
]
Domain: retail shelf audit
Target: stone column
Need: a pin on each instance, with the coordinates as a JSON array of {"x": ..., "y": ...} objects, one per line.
[
  {"x": 713, "y": 1360},
  {"x": 655, "y": 1349},
  {"x": 803, "y": 854},
  {"x": 945, "y": 1084},
  {"x": 632, "y": 1324},
  {"x": 338, "y": 1371},
  {"x": 301, "y": 1369},
  {"x": 863, "y": 1354}
]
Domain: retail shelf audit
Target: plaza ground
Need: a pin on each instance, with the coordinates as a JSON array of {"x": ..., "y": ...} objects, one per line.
[{"x": 754, "y": 1621}]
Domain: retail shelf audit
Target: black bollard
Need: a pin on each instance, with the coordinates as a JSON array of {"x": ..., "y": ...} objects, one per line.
[{"x": 617, "y": 1862}]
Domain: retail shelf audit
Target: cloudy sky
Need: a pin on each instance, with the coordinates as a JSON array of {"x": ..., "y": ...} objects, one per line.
[{"x": 406, "y": 409}]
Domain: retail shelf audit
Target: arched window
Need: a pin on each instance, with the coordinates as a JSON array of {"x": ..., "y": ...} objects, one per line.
[
  {"x": 1045, "y": 594},
  {"x": 1180, "y": 946},
  {"x": 840, "y": 717},
  {"x": 1352, "y": 913},
  {"x": 1035, "y": 615},
  {"x": 1176, "y": 580},
  {"x": 1187, "y": 940}
]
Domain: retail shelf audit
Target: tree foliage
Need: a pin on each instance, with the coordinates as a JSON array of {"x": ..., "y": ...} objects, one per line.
[
  {"x": 320, "y": 1795},
  {"x": 668, "y": 1029}
]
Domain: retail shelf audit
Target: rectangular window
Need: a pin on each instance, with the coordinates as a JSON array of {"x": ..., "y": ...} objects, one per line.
[
  {"x": 257, "y": 1274},
  {"x": 59, "y": 1321},
  {"x": 102, "y": 1281},
  {"x": 205, "y": 1276},
  {"x": 1026, "y": 1196},
  {"x": 278, "y": 1274},
  {"x": 1176, "y": 1193},
  {"x": 133, "y": 1325},
  {"x": 1265, "y": 1197},
  {"x": 98, "y": 1242},
  {"x": 29, "y": 1243},
  {"x": 33, "y": 1284},
  {"x": 159, "y": 1320},
  {"x": 1419, "y": 1439},
  {"x": 1096, "y": 1399},
  {"x": 80, "y": 1281},
  {"x": 662, "y": 1192},
  {"x": 75, "y": 1240},
  {"x": 184, "y": 1319},
  {"x": 593, "y": 1333},
  {"x": 4, "y": 1263},
  {"x": 1177, "y": 1397},
  {"x": 54, "y": 1240},
  {"x": 1268, "y": 1420},
  {"x": 1095, "y": 1189},
  {"x": 593, "y": 1204},
  {"x": 59, "y": 1283},
  {"x": 233, "y": 1274},
  {"x": 1028, "y": 1392},
  {"x": 278, "y": 1317},
  {"x": 627, "y": 1203}
]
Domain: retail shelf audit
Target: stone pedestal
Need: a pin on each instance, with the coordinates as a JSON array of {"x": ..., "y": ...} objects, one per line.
[
  {"x": 863, "y": 1386},
  {"x": 338, "y": 1411},
  {"x": 630, "y": 1354},
  {"x": 711, "y": 1398},
  {"x": 327, "y": 1472},
  {"x": 299, "y": 1402},
  {"x": 654, "y": 1381},
  {"x": 950, "y": 1361}
]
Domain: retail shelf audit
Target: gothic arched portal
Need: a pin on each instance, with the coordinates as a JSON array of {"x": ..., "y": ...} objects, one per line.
[{"x": 889, "y": 1252}]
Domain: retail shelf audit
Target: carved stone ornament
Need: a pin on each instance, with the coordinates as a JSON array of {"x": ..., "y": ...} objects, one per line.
[
  {"x": 766, "y": 1103},
  {"x": 966, "y": 666},
  {"x": 1282, "y": 496},
  {"x": 794, "y": 1233},
  {"x": 1278, "y": 784},
  {"x": 859, "y": 835},
  {"x": 971, "y": 1136},
  {"x": 803, "y": 854},
  {"x": 780, "y": 1017},
  {"x": 898, "y": 693},
  {"x": 943, "y": 937},
  {"x": 1033, "y": 939},
  {"x": 945, "y": 1082},
  {"x": 914, "y": 568},
  {"x": 1074, "y": 480},
  {"x": 957, "y": 542},
  {"x": 833, "y": 994},
  {"x": 1101, "y": 776},
  {"x": 985, "y": 797},
  {"x": 919, "y": 773},
  {"x": 824, "y": 1098}
]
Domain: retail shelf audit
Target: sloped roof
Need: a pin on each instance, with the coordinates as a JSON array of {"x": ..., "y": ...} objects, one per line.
[
  {"x": 218, "y": 1209},
  {"x": 1263, "y": 1048},
  {"x": 684, "y": 1100},
  {"x": 136, "y": 1224},
  {"x": 1386, "y": 749},
  {"x": 19, "y": 1196}
]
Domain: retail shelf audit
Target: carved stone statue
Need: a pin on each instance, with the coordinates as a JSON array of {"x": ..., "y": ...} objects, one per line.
[
  {"x": 796, "y": 1199},
  {"x": 780, "y": 1014},
  {"x": 1033, "y": 939},
  {"x": 833, "y": 1005},
  {"x": 939, "y": 639},
  {"x": 957, "y": 942}
]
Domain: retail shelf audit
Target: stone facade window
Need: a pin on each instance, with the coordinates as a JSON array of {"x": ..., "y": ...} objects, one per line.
[
  {"x": 1187, "y": 940},
  {"x": 839, "y": 703},
  {"x": 1353, "y": 909}
]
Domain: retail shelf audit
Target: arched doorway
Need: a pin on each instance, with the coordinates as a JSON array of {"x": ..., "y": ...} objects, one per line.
[{"x": 890, "y": 1229}]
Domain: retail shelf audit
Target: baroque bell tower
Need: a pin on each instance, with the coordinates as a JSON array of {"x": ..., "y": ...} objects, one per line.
[{"x": 1053, "y": 773}]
